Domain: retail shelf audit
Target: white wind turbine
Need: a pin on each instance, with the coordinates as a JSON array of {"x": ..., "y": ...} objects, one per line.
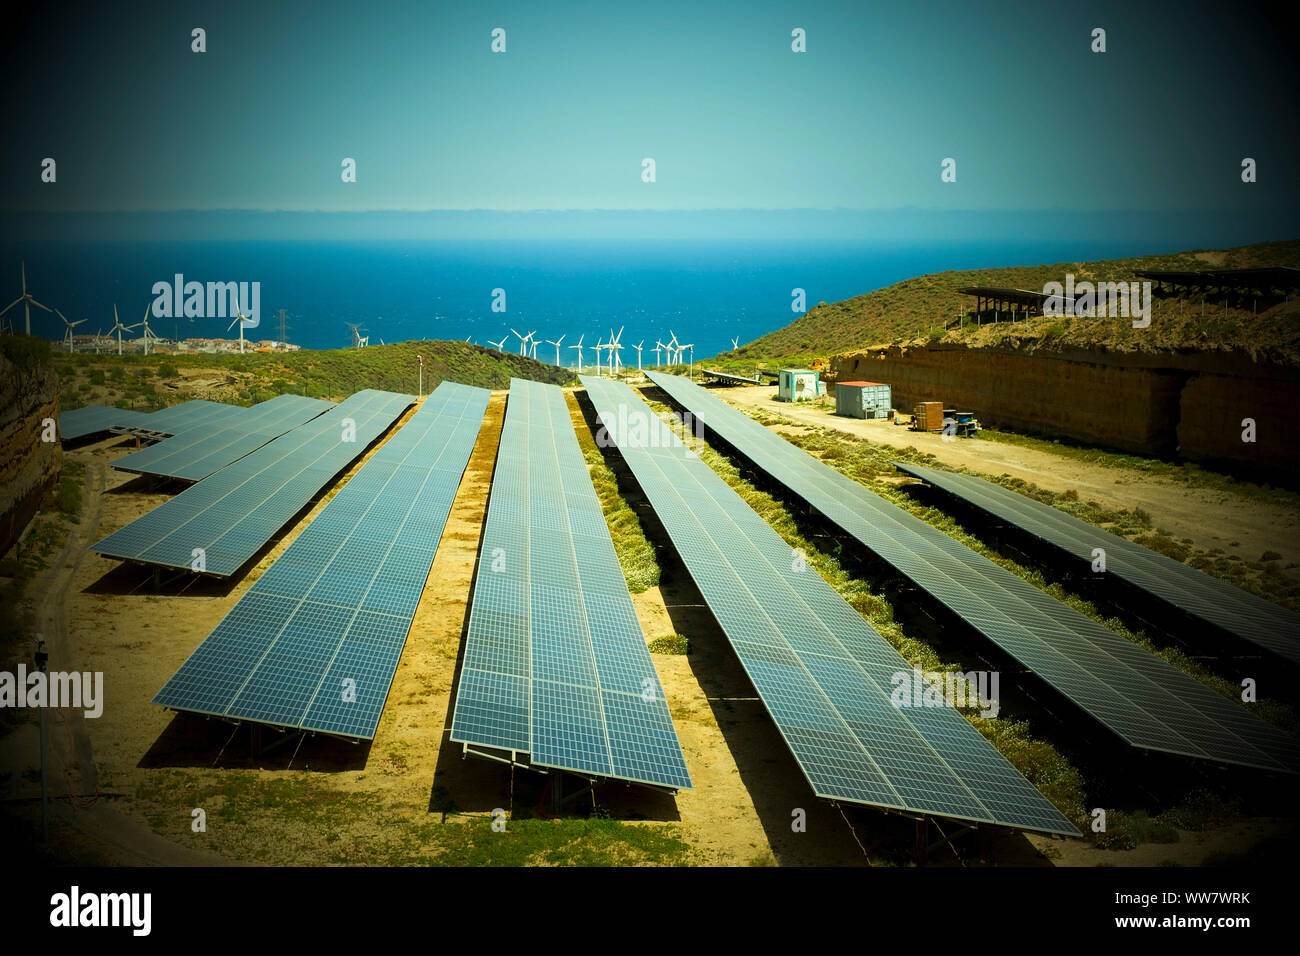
[
  {"x": 674, "y": 348},
  {"x": 735, "y": 344},
  {"x": 148, "y": 332},
  {"x": 499, "y": 346},
  {"x": 27, "y": 301},
  {"x": 690, "y": 373},
  {"x": 638, "y": 354},
  {"x": 599, "y": 345},
  {"x": 615, "y": 346},
  {"x": 239, "y": 320},
  {"x": 532, "y": 338},
  {"x": 523, "y": 342},
  {"x": 71, "y": 325},
  {"x": 659, "y": 347},
  {"x": 557, "y": 349},
  {"x": 579, "y": 348},
  {"x": 119, "y": 328}
]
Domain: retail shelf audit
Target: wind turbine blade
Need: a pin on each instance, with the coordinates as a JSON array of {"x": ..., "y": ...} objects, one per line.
[
  {"x": 38, "y": 305},
  {"x": 11, "y": 305}
]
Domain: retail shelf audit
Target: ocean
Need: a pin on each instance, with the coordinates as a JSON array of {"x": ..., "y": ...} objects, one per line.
[{"x": 707, "y": 293}]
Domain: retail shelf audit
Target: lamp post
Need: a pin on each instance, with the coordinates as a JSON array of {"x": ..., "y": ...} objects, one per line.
[{"x": 41, "y": 659}]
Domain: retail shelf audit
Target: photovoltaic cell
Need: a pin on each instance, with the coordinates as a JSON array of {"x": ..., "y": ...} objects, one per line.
[
  {"x": 823, "y": 673},
  {"x": 556, "y": 664},
  {"x": 1240, "y": 613},
  {"x": 231, "y": 514},
  {"x": 93, "y": 419},
  {"x": 314, "y": 643},
  {"x": 1145, "y": 701},
  {"x": 201, "y": 450}
]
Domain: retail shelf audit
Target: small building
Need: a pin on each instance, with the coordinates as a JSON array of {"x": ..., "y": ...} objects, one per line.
[
  {"x": 862, "y": 399},
  {"x": 798, "y": 385}
]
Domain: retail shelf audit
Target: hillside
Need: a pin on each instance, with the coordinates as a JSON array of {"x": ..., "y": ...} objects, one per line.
[
  {"x": 921, "y": 308},
  {"x": 147, "y": 383}
]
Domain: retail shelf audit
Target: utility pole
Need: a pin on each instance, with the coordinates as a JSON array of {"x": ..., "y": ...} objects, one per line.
[
  {"x": 420, "y": 392},
  {"x": 41, "y": 659}
]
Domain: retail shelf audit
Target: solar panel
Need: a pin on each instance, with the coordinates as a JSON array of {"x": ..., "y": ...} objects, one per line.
[
  {"x": 192, "y": 414},
  {"x": 1145, "y": 701},
  {"x": 824, "y": 675},
  {"x": 314, "y": 643},
  {"x": 93, "y": 419},
  {"x": 1201, "y": 596},
  {"x": 556, "y": 664},
  {"x": 231, "y": 514},
  {"x": 207, "y": 447}
]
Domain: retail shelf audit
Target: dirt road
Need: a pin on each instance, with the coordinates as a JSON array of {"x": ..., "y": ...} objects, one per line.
[{"x": 1212, "y": 519}]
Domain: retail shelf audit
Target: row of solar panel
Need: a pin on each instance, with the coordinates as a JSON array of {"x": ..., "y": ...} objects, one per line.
[
  {"x": 556, "y": 664},
  {"x": 203, "y": 449},
  {"x": 823, "y": 673},
  {"x": 1138, "y": 696},
  {"x": 316, "y": 640},
  {"x": 218, "y": 524},
  {"x": 1202, "y": 597}
]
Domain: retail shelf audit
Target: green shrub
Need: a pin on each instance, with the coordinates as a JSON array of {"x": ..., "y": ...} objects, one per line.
[{"x": 671, "y": 644}]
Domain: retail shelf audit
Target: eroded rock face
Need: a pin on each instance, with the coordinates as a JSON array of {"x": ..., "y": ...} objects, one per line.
[
  {"x": 29, "y": 467},
  {"x": 1190, "y": 406}
]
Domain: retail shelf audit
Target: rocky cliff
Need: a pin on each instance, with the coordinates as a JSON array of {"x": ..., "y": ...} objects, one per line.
[{"x": 29, "y": 466}]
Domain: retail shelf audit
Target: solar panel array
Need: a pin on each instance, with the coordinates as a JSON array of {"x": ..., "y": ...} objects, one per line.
[
  {"x": 233, "y": 513},
  {"x": 314, "y": 643},
  {"x": 823, "y": 673},
  {"x": 93, "y": 419},
  {"x": 1144, "y": 700},
  {"x": 207, "y": 447},
  {"x": 195, "y": 413},
  {"x": 1208, "y": 599},
  {"x": 556, "y": 664}
]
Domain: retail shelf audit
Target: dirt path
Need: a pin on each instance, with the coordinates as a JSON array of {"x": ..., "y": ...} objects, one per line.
[{"x": 1212, "y": 519}]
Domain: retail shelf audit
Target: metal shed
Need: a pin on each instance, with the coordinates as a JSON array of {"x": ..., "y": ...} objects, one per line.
[
  {"x": 798, "y": 385},
  {"x": 862, "y": 399}
]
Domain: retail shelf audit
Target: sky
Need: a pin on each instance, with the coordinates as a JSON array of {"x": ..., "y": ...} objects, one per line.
[{"x": 734, "y": 120}]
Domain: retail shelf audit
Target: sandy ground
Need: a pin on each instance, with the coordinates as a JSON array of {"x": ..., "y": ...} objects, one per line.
[
  {"x": 747, "y": 787},
  {"x": 1211, "y": 519}
]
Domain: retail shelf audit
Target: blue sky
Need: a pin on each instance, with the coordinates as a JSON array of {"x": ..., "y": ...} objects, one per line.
[{"x": 711, "y": 91}]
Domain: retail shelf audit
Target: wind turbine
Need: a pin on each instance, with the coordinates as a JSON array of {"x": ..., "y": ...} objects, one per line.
[
  {"x": 557, "y": 350},
  {"x": 690, "y": 372},
  {"x": 119, "y": 328},
  {"x": 599, "y": 345},
  {"x": 579, "y": 348},
  {"x": 674, "y": 348},
  {"x": 68, "y": 337},
  {"x": 523, "y": 339},
  {"x": 499, "y": 346},
  {"x": 149, "y": 336},
  {"x": 659, "y": 347},
  {"x": 27, "y": 301},
  {"x": 356, "y": 327},
  {"x": 532, "y": 338},
  {"x": 638, "y": 354},
  {"x": 735, "y": 344},
  {"x": 615, "y": 346}
]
